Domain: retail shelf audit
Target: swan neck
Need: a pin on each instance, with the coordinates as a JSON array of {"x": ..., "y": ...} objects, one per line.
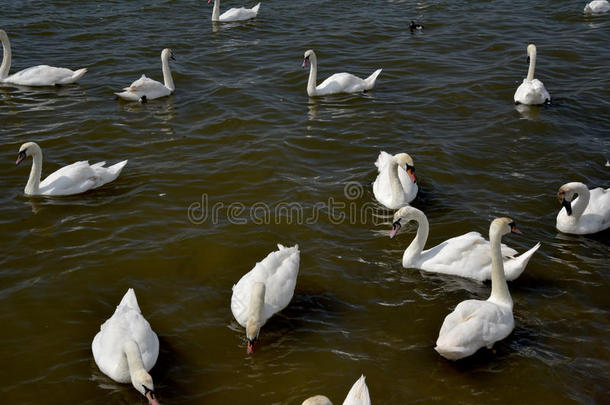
[
  {"x": 414, "y": 250},
  {"x": 395, "y": 185},
  {"x": 134, "y": 358},
  {"x": 499, "y": 287},
  {"x": 530, "y": 71},
  {"x": 216, "y": 11},
  {"x": 6, "y": 57},
  {"x": 33, "y": 184},
  {"x": 313, "y": 75},
  {"x": 580, "y": 204},
  {"x": 167, "y": 73},
  {"x": 257, "y": 306}
]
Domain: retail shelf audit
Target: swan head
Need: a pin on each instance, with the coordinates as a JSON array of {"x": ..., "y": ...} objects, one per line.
[
  {"x": 403, "y": 215},
  {"x": 142, "y": 381},
  {"x": 503, "y": 226},
  {"x": 253, "y": 328},
  {"x": 317, "y": 400},
  {"x": 167, "y": 54},
  {"x": 309, "y": 55},
  {"x": 27, "y": 149},
  {"x": 405, "y": 161},
  {"x": 531, "y": 52},
  {"x": 566, "y": 193}
]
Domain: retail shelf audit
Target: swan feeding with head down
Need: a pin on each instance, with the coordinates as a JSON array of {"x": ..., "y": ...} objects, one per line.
[
  {"x": 531, "y": 91},
  {"x": 395, "y": 185},
  {"x": 265, "y": 290},
  {"x": 41, "y": 75},
  {"x": 233, "y": 14},
  {"x": 357, "y": 395},
  {"x": 588, "y": 213},
  {"x": 474, "y": 324},
  {"x": 465, "y": 256},
  {"x": 145, "y": 89},
  {"x": 72, "y": 179},
  {"x": 337, "y": 83},
  {"x": 126, "y": 347}
]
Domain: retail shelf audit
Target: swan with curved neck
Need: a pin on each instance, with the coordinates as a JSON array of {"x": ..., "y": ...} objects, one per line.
[
  {"x": 233, "y": 14},
  {"x": 395, "y": 185},
  {"x": 357, "y": 395},
  {"x": 531, "y": 91},
  {"x": 145, "y": 89},
  {"x": 72, "y": 179},
  {"x": 41, "y": 75},
  {"x": 597, "y": 7},
  {"x": 266, "y": 289},
  {"x": 588, "y": 213},
  {"x": 126, "y": 347},
  {"x": 465, "y": 256},
  {"x": 337, "y": 83},
  {"x": 474, "y": 324}
]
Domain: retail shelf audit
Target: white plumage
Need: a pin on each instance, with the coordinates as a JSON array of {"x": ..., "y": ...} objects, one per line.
[
  {"x": 41, "y": 75},
  {"x": 465, "y": 255},
  {"x": 531, "y": 91},
  {"x": 337, "y": 83},
  {"x": 357, "y": 395},
  {"x": 145, "y": 89},
  {"x": 68, "y": 180},
  {"x": 395, "y": 185},
  {"x": 597, "y": 7},
  {"x": 233, "y": 14},
  {"x": 589, "y": 212}
]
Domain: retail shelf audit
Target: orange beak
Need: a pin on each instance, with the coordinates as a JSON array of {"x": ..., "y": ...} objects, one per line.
[{"x": 411, "y": 175}]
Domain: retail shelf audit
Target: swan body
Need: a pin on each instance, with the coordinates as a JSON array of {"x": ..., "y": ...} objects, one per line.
[
  {"x": 41, "y": 75},
  {"x": 474, "y": 324},
  {"x": 233, "y": 14},
  {"x": 588, "y": 213},
  {"x": 357, "y": 395},
  {"x": 337, "y": 83},
  {"x": 597, "y": 7},
  {"x": 126, "y": 347},
  {"x": 465, "y": 255},
  {"x": 395, "y": 185},
  {"x": 72, "y": 179},
  {"x": 145, "y": 89},
  {"x": 531, "y": 91},
  {"x": 265, "y": 290}
]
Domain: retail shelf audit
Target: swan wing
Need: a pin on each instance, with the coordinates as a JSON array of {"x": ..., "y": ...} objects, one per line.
[
  {"x": 279, "y": 272},
  {"x": 358, "y": 394},
  {"x": 79, "y": 177},
  {"x": 532, "y": 92},
  {"x": 127, "y": 323},
  {"x": 473, "y": 324},
  {"x": 596, "y": 216},
  {"x": 144, "y": 86},
  {"x": 239, "y": 14},
  {"x": 381, "y": 187},
  {"x": 41, "y": 75},
  {"x": 341, "y": 83}
]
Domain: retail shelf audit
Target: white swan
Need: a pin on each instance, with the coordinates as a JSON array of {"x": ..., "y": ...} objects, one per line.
[
  {"x": 466, "y": 255},
  {"x": 41, "y": 75},
  {"x": 588, "y": 213},
  {"x": 265, "y": 290},
  {"x": 126, "y": 347},
  {"x": 531, "y": 91},
  {"x": 233, "y": 14},
  {"x": 474, "y": 324},
  {"x": 72, "y": 179},
  {"x": 337, "y": 83},
  {"x": 357, "y": 395},
  {"x": 597, "y": 7},
  {"x": 145, "y": 89},
  {"x": 395, "y": 185}
]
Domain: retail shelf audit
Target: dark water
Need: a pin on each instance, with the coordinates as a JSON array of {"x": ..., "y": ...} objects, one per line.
[{"x": 241, "y": 135}]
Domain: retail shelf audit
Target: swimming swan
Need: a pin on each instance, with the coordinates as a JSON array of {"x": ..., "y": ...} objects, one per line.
[
  {"x": 465, "y": 256},
  {"x": 395, "y": 185},
  {"x": 41, "y": 75},
  {"x": 588, "y": 213},
  {"x": 126, "y": 347},
  {"x": 72, "y": 179},
  {"x": 597, "y": 7},
  {"x": 474, "y": 324},
  {"x": 337, "y": 83},
  {"x": 265, "y": 290},
  {"x": 145, "y": 89},
  {"x": 233, "y": 14},
  {"x": 531, "y": 91},
  {"x": 357, "y": 395}
]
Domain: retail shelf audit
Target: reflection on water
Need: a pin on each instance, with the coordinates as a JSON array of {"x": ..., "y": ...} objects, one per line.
[{"x": 529, "y": 112}]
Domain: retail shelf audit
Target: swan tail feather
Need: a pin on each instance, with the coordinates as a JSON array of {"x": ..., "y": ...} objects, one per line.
[
  {"x": 77, "y": 75},
  {"x": 370, "y": 81},
  {"x": 520, "y": 262},
  {"x": 255, "y": 8}
]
